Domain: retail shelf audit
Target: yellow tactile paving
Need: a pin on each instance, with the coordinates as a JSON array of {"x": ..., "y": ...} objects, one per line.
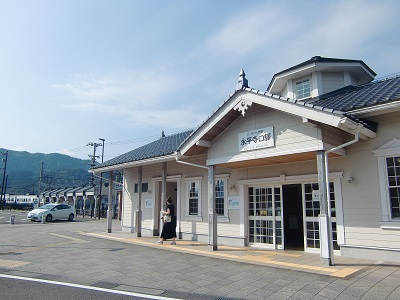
[
  {"x": 240, "y": 254},
  {"x": 59, "y": 244},
  {"x": 5, "y": 263},
  {"x": 69, "y": 238},
  {"x": 344, "y": 272}
]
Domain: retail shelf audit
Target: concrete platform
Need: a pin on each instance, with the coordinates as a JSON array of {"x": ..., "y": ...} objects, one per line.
[{"x": 286, "y": 259}]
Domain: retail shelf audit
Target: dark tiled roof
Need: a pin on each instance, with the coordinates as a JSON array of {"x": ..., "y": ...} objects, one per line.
[
  {"x": 355, "y": 97},
  {"x": 347, "y": 99},
  {"x": 164, "y": 146}
]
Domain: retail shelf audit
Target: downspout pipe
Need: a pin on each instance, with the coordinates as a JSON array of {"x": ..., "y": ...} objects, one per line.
[
  {"x": 328, "y": 198},
  {"x": 177, "y": 154}
]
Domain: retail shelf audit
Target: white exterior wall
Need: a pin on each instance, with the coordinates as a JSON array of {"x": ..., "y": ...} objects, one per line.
[
  {"x": 192, "y": 228},
  {"x": 127, "y": 196},
  {"x": 362, "y": 212},
  {"x": 332, "y": 81},
  {"x": 362, "y": 203},
  {"x": 290, "y": 133}
]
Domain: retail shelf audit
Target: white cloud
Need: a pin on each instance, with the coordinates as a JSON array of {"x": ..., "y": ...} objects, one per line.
[
  {"x": 167, "y": 118},
  {"x": 134, "y": 88},
  {"x": 290, "y": 32},
  {"x": 143, "y": 98},
  {"x": 248, "y": 31},
  {"x": 18, "y": 148}
]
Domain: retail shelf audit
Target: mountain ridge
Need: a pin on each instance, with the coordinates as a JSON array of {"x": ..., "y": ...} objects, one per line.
[{"x": 59, "y": 170}]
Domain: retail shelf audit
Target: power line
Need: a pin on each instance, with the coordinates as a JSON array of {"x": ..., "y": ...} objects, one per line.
[{"x": 124, "y": 142}]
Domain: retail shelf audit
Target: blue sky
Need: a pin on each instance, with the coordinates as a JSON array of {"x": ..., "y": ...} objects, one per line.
[{"x": 74, "y": 71}]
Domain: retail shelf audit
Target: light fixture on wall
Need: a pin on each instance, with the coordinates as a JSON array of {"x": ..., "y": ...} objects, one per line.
[
  {"x": 232, "y": 187},
  {"x": 348, "y": 178}
]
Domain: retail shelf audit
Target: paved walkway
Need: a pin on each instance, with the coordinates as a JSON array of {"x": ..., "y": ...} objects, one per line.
[
  {"x": 292, "y": 260},
  {"x": 82, "y": 252}
]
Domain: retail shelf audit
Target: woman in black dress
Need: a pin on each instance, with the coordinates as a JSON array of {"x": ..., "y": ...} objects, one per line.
[{"x": 169, "y": 228}]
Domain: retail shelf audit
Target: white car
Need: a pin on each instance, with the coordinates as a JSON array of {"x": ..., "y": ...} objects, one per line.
[{"x": 52, "y": 211}]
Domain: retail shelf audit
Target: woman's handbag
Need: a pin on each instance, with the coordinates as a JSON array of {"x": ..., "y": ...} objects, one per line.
[{"x": 167, "y": 218}]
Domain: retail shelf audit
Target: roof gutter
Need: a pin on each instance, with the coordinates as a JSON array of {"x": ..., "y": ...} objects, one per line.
[
  {"x": 359, "y": 128},
  {"x": 177, "y": 155}
]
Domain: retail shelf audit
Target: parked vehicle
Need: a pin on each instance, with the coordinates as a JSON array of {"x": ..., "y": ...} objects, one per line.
[{"x": 52, "y": 211}]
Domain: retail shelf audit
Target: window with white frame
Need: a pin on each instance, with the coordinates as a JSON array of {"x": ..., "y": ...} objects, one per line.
[
  {"x": 221, "y": 196},
  {"x": 303, "y": 89},
  {"x": 193, "y": 198},
  {"x": 145, "y": 187},
  {"x": 389, "y": 177},
  {"x": 393, "y": 173}
]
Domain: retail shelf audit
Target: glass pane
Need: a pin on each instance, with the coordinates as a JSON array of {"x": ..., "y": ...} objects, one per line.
[{"x": 390, "y": 161}]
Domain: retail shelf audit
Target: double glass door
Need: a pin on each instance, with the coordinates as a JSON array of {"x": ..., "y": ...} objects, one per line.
[{"x": 267, "y": 218}]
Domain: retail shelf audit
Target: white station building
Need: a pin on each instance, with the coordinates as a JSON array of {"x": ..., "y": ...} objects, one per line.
[{"x": 311, "y": 164}]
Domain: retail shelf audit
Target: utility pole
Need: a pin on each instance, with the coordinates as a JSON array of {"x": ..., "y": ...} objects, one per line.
[
  {"x": 40, "y": 179},
  {"x": 93, "y": 158},
  {"x": 4, "y": 178},
  {"x": 91, "y": 180},
  {"x": 101, "y": 179}
]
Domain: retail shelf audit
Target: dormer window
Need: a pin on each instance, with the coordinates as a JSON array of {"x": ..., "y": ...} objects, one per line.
[{"x": 303, "y": 89}]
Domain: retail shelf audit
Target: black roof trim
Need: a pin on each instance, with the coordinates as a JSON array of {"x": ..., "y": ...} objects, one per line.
[
  {"x": 321, "y": 59},
  {"x": 165, "y": 145}
]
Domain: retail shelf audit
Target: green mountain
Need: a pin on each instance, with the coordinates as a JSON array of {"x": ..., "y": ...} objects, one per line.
[{"x": 24, "y": 168}]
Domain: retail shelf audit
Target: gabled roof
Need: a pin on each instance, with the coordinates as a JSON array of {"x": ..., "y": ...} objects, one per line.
[
  {"x": 166, "y": 145},
  {"x": 333, "y": 109},
  {"x": 84, "y": 190}
]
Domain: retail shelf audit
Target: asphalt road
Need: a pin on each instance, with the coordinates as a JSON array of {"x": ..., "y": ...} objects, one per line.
[
  {"x": 20, "y": 288},
  {"x": 101, "y": 268},
  {"x": 20, "y": 217}
]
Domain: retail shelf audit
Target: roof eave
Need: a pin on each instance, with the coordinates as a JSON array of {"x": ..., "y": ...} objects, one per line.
[
  {"x": 133, "y": 164},
  {"x": 228, "y": 105},
  {"x": 376, "y": 109}
]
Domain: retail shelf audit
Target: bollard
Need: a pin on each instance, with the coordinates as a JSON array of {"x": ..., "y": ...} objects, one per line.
[
  {"x": 12, "y": 219},
  {"x": 43, "y": 219}
]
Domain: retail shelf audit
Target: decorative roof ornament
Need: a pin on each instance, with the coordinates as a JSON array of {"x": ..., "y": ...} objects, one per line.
[
  {"x": 162, "y": 134},
  {"x": 242, "y": 106},
  {"x": 242, "y": 81}
]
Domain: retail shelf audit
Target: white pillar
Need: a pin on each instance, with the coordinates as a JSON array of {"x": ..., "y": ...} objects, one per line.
[
  {"x": 109, "y": 210},
  {"x": 138, "y": 215},
  {"x": 83, "y": 205},
  {"x": 95, "y": 205},
  {"x": 163, "y": 192},
  {"x": 326, "y": 252},
  {"x": 74, "y": 199},
  {"x": 212, "y": 216}
]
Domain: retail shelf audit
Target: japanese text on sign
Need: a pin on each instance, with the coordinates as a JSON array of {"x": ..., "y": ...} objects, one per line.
[{"x": 256, "y": 139}]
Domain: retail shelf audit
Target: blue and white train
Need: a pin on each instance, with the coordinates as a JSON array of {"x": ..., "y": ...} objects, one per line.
[{"x": 21, "y": 201}]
